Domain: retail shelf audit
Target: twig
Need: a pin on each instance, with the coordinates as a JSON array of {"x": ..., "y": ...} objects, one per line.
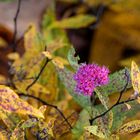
[
  {"x": 15, "y": 26},
  {"x": 45, "y": 103},
  {"x": 118, "y": 101},
  {"x": 101, "y": 115},
  {"x": 121, "y": 93},
  {"x": 39, "y": 74}
]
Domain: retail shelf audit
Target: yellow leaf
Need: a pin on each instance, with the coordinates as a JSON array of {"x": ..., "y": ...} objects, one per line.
[
  {"x": 18, "y": 133},
  {"x": 3, "y": 43},
  {"x": 29, "y": 38},
  {"x": 47, "y": 54},
  {"x": 138, "y": 100},
  {"x": 55, "y": 45},
  {"x": 42, "y": 109},
  {"x": 136, "y": 137},
  {"x": 10, "y": 102},
  {"x": 94, "y": 130},
  {"x": 128, "y": 106},
  {"x": 60, "y": 62},
  {"x": 135, "y": 76},
  {"x": 13, "y": 56},
  {"x": 74, "y": 22},
  {"x": 2, "y": 79},
  {"x": 130, "y": 127},
  {"x": 110, "y": 119},
  {"x": 2, "y": 136},
  {"x": 5, "y": 118},
  {"x": 114, "y": 137}
]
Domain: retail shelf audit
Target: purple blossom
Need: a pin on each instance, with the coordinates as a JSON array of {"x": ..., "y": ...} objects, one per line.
[{"x": 90, "y": 76}]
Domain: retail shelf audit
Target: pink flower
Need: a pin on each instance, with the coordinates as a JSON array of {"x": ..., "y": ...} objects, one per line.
[{"x": 90, "y": 76}]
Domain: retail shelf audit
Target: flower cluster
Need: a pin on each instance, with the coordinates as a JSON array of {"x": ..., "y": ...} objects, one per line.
[{"x": 89, "y": 76}]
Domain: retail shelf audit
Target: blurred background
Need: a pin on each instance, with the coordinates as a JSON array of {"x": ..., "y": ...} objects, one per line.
[
  {"x": 111, "y": 40},
  {"x": 108, "y": 35}
]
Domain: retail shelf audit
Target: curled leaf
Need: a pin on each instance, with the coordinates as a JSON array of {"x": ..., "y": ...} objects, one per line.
[{"x": 130, "y": 127}]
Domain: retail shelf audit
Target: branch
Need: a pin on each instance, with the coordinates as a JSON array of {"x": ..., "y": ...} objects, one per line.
[
  {"x": 101, "y": 115},
  {"x": 15, "y": 26},
  {"x": 121, "y": 93},
  {"x": 45, "y": 103},
  {"x": 118, "y": 101},
  {"x": 39, "y": 74}
]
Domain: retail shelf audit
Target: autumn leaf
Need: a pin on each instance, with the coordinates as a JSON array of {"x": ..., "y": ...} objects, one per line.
[
  {"x": 17, "y": 134},
  {"x": 135, "y": 76},
  {"x": 130, "y": 127},
  {"x": 13, "y": 56},
  {"x": 3, "y": 136},
  {"x": 10, "y": 102},
  {"x": 94, "y": 130},
  {"x": 78, "y": 21}
]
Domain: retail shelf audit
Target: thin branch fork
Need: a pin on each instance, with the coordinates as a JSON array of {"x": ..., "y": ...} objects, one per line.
[
  {"x": 50, "y": 105},
  {"x": 118, "y": 101}
]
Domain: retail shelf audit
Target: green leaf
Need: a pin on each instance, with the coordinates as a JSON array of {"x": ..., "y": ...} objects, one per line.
[
  {"x": 83, "y": 121},
  {"x": 102, "y": 122},
  {"x": 94, "y": 130},
  {"x": 72, "y": 59},
  {"x": 117, "y": 82},
  {"x": 121, "y": 112},
  {"x": 103, "y": 98},
  {"x": 75, "y": 22},
  {"x": 29, "y": 123},
  {"x": 67, "y": 78}
]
